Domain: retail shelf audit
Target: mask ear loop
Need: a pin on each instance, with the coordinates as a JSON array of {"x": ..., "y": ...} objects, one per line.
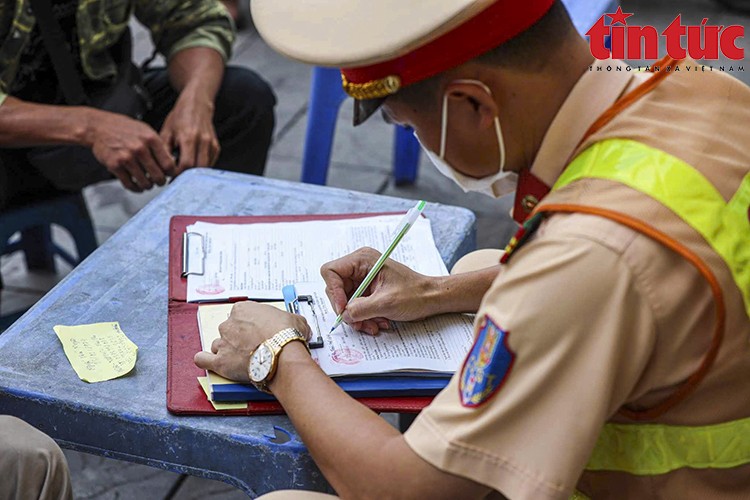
[
  {"x": 444, "y": 122},
  {"x": 501, "y": 142},
  {"x": 444, "y": 126}
]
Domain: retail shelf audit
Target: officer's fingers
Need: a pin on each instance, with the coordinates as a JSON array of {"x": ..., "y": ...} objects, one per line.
[
  {"x": 354, "y": 266},
  {"x": 362, "y": 308},
  {"x": 227, "y": 327},
  {"x": 369, "y": 327},
  {"x": 334, "y": 272},
  {"x": 246, "y": 310},
  {"x": 216, "y": 345},
  {"x": 383, "y": 324},
  {"x": 336, "y": 294},
  {"x": 365, "y": 258},
  {"x": 205, "y": 360}
]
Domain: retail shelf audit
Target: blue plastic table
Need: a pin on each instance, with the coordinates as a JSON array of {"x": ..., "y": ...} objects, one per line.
[{"x": 125, "y": 280}]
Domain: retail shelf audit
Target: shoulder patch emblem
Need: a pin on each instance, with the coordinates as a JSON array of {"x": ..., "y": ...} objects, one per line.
[{"x": 487, "y": 366}]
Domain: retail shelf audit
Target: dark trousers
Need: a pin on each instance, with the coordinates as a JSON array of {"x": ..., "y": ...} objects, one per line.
[{"x": 243, "y": 118}]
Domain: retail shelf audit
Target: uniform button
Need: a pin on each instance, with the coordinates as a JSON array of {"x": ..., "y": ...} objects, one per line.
[
  {"x": 16, "y": 34},
  {"x": 529, "y": 202},
  {"x": 28, "y": 10}
]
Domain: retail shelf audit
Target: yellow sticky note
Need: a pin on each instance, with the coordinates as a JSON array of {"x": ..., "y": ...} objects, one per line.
[
  {"x": 99, "y": 351},
  {"x": 203, "y": 381}
]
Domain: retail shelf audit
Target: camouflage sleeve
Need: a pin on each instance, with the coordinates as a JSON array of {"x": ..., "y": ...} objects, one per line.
[{"x": 181, "y": 24}]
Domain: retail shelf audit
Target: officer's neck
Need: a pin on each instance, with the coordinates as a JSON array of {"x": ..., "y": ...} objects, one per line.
[{"x": 529, "y": 100}]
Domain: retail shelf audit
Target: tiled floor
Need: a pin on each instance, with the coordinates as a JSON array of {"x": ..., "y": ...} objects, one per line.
[{"x": 361, "y": 161}]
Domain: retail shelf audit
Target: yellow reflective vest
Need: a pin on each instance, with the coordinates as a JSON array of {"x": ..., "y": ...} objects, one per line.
[{"x": 656, "y": 181}]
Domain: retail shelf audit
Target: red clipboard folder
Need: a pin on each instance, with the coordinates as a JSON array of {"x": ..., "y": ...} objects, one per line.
[{"x": 184, "y": 394}]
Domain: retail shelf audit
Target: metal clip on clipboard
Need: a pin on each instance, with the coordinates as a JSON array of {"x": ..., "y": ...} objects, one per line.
[
  {"x": 293, "y": 301},
  {"x": 193, "y": 255}
]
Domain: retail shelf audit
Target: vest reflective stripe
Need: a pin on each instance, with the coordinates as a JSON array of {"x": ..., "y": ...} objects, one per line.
[
  {"x": 682, "y": 189},
  {"x": 647, "y": 449}
]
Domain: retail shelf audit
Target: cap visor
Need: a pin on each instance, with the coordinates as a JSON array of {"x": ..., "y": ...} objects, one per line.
[{"x": 364, "y": 108}]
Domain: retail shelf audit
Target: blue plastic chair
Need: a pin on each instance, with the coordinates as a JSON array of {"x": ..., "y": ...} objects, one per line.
[
  {"x": 326, "y": 96},
  {"x": 34, "y": 223}
]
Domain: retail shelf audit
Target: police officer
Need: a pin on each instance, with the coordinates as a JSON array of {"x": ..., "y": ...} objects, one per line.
[{"x": 612, "y": 347}]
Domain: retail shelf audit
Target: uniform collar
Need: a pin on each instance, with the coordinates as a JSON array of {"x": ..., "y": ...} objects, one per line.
[{"x": 591, "y": 96}]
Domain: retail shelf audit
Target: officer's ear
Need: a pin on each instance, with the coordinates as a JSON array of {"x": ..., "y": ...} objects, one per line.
[{"x": 470, "y": 105}]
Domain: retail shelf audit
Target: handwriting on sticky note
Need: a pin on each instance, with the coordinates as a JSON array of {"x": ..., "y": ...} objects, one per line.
[{"x": 99, "y": 351}]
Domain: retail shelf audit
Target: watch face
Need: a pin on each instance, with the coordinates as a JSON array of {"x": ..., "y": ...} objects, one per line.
[{"x": 260, "y": 363}]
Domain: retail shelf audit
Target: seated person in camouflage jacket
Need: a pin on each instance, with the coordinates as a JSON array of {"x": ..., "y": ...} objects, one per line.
[{"x": 203, "y": 114}]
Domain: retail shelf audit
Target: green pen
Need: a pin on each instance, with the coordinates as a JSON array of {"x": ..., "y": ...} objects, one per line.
[{"x": 406, "y": 223}]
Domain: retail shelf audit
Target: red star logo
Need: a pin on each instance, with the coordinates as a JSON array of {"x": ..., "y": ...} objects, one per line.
[{"x": 619, "y": 17}]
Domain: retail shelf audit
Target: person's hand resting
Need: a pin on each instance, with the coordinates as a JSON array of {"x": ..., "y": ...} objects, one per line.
[
  {"x": 397, "y": 292},
  {"x": 131, "y": 150},
  {"x": 249, "y": 324},
  {"x": 189, "y": 129}
]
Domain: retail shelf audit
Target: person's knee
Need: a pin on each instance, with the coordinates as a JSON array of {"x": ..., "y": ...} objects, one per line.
[
  {"x": 244, "y": 121},
  {"x": 32, "y": 463},
  {"x": 244, "y": 91},
  {"x": 479, "y": 259}
]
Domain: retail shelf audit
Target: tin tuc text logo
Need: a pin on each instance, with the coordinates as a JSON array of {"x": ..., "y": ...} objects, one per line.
[{"x": 702, "y": 41}]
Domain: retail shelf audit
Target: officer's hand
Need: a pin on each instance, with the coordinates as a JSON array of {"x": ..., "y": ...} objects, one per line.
[
  {"x": 131, "y": 150},
  {"x": 248, "y": 325},
  {"x": 397, "y": 293},
  {"x": 189, "y": 128}
]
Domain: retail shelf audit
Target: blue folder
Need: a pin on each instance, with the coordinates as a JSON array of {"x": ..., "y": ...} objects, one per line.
[{"x": 358, "y": 387}]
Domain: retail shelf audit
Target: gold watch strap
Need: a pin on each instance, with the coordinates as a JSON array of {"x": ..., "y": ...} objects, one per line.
[{"x": 283, "y": 337}]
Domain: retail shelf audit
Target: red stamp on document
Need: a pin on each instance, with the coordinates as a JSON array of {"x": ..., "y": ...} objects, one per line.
[
  {"x": 347, "y": 356},
  {"x": 212, "y": 289}
]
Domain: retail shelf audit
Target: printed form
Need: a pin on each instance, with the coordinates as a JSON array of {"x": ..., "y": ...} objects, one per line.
[
  {"x": 258, "y": 260},
  {"x": 438, "y": 344}
]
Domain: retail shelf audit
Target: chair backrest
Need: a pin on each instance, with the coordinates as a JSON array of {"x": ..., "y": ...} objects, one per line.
[{"x": 34, "y": 222}]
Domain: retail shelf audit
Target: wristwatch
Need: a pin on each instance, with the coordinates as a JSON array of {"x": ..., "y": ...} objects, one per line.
[{"x": 265, "y": 358}]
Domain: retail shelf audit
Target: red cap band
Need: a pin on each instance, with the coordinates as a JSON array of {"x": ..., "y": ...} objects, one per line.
[{"x": 490, "y": 28}]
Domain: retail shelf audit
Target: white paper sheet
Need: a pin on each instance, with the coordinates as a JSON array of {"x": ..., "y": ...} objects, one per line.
[
  {"x": 436, "y": 344},
  {"x": 257, "y": 260}
]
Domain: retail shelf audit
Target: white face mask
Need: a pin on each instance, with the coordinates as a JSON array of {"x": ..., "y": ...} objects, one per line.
[{"x": 495, "y": 185}]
